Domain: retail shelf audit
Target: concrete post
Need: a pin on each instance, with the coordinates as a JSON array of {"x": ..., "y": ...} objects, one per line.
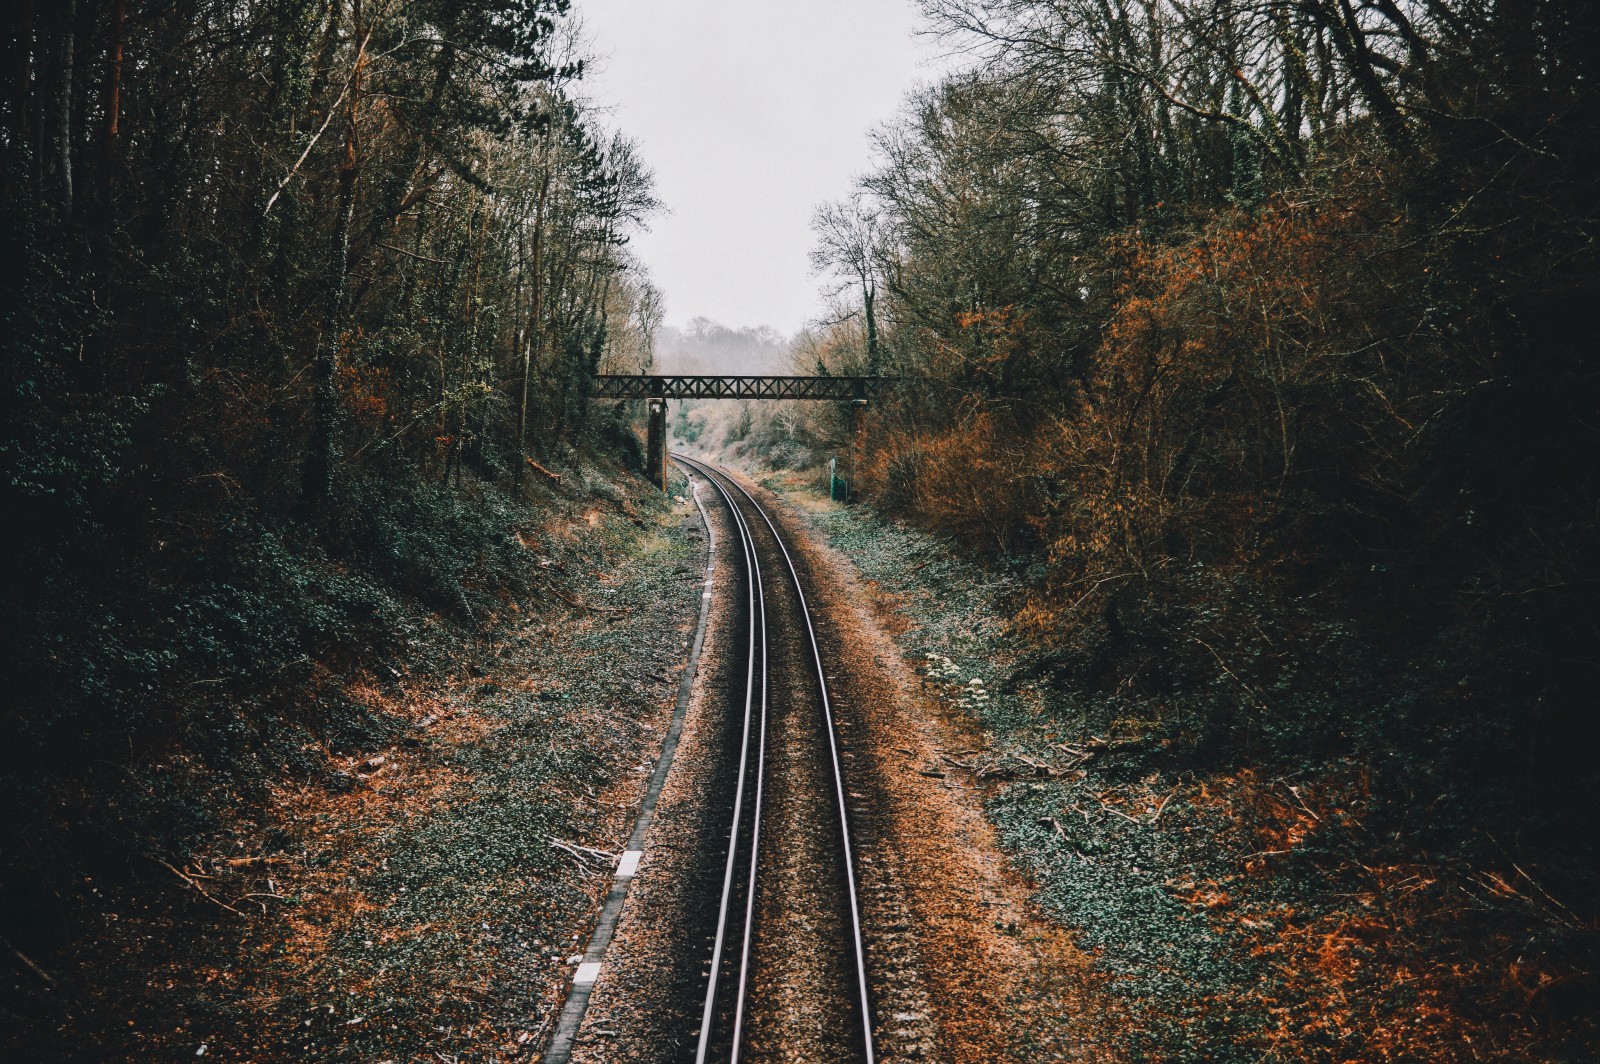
[{"x": 656, "y": 444}]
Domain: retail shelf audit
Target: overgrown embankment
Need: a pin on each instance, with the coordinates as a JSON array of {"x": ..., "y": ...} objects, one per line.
[
  {"x": 1297, "y": 900},
  {"x": 359, "y": 848},
  {"x": 1248, "y": 342}
]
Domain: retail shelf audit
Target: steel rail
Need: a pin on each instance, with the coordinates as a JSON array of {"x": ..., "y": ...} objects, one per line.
[
  {"x": 757, "y": 642},
  {"x": 716, "y": 477}
]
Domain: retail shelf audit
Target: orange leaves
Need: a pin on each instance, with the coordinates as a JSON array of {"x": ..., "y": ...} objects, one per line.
[
  {"x": 974, "y": 477},
  {"x": 1238, "y": 392},
  {"x": 365, "y": 390},
  {"x": 1220, "y": 376},
  {"x": 993, "y": 341},
  {"x": 1209, "y": 895},
  {"x": 1363, "y": 959},
  {"x": 1000, "y": 319}
]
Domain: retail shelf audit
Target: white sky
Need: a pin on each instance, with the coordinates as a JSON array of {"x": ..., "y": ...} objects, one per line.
[{"x": 750, "y": 112}]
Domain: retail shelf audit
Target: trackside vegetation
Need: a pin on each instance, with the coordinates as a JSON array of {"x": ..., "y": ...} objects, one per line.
[
  {"x": 1250, "y": 346},
  {"x": 300, "y": 303}
]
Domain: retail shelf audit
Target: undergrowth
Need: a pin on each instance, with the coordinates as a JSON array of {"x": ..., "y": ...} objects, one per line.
[
  {"x": 178, "y": 658},
  {"x": 1318, "y": 884}
]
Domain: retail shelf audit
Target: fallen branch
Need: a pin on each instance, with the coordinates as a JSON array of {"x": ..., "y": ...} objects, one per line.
[
  {"x": 1072, "y": 844},
  {"x": 584, "y": 853},
  {"x": 1012, "y": 764},
  {"x": 49, "y": 979},
  {"x": 1162, "y": 808},
  {"x": 537, "y": 468},
  {"x": 263, "y": 894},
  {"x": 1296, "y": 792},
  {"x": 251, "y": 862},
  {"x": 1497, "y": 884},
  {"x": 196, "y": 885},
  {"x": 1261, "y": 703},
  {"x": 1576, "y": 922},
  {"x": 1108, "y": 807}
]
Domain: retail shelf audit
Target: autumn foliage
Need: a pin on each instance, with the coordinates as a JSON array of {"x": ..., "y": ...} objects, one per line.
[{"x": 1279, "y": 408}]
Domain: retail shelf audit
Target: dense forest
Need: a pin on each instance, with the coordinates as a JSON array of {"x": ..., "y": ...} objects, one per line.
[
  {"x": 301, "y": 302},
  {"x": 1254, "y": 334},
  {"x": 1256, "y": 339}
]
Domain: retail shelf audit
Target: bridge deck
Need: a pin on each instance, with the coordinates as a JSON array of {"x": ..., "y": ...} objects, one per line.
[{"x": 644, "y": 386}]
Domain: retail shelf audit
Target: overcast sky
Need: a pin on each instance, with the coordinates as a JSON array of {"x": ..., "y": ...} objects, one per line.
[{"x": 750, "y": 112}]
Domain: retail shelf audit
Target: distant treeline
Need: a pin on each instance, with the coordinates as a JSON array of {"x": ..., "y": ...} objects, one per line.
[{"x": 1261, "y": 335}]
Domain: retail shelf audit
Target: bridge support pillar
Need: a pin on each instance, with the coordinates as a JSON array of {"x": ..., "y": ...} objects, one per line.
[
  {"x": 858, "y": 442},
  {"x": 656, "y": 444}
]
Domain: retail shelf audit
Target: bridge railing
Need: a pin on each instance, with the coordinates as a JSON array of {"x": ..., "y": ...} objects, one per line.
[{"x": 668, "y": 386}]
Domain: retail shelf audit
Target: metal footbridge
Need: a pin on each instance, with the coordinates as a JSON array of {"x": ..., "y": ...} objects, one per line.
[
  {"x": 646, "y": 386},
  {"x": 658, "y": 389}
]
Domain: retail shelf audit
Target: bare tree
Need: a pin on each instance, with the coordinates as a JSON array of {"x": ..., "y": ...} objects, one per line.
[{"x": 848, "y": 248}]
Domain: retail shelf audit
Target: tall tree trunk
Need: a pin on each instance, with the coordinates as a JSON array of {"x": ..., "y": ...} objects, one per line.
[
  {"x": 472, "y": 418},
  {"x": 317, "y": 474},
  {"x": 535, "y": 329},
  {"x": 63, "y": 138},
  {"x": 869, "y": 296},
  {"x": 21, "y": 140},
  {"x": 1351, "y": 41},
  {"x": 113, "y": 98}
]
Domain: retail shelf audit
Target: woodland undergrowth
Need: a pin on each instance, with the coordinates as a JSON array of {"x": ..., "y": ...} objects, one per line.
[
  {"x": 1314, "y": 901},
  {"x": 1250, "y": 344}
]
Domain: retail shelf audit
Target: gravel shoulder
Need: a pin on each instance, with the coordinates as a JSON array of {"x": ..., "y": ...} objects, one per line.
[{"x": 645, "y": 1006}]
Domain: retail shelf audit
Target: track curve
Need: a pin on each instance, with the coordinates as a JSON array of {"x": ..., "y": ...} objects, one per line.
[{"x": 788, "y": 975}]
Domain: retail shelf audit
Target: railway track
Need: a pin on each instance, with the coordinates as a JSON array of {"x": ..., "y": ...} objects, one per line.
[{"x": 787, "y": 976}]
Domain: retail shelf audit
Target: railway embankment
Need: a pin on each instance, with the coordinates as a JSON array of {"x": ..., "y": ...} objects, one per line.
[
  {"x": 1229, "y": 907},
  {"x": 1039, "y": 878},
  {"x": 415, "y": 882}
]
